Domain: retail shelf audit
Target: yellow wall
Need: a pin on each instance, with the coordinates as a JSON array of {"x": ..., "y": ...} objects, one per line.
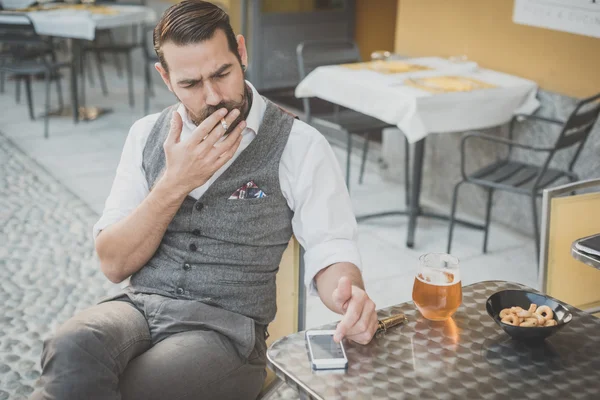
[
  {"x": 483, "y": 30},
  {"x": 375, "y": 25}
]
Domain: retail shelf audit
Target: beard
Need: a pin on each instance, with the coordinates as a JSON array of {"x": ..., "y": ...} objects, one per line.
[{"x": 243, "y": 105}]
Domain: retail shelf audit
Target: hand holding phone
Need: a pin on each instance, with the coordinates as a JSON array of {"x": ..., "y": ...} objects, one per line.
[{"x": 324, "y": 352}]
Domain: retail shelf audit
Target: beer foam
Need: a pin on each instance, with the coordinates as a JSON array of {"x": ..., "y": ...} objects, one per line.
[{"x": 438, "y": 277}]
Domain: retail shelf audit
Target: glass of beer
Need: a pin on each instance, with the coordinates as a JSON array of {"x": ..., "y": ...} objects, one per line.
[{"x": 437, "y": 291}]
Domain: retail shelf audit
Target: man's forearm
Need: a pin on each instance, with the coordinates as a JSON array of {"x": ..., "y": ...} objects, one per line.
[
  {"x": 124, "y": 248},
  {"x": 328, "y": 278}
]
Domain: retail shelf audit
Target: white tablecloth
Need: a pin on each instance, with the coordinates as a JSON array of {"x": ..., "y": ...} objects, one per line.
[
  {"x": 418, "y": 112},
  {"x": 81, "y": 24}
]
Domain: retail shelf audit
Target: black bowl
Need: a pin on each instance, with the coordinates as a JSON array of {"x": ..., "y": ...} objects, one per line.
[{"x": 521, "y": 298}]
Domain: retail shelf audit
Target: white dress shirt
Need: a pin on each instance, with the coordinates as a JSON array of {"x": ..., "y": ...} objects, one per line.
[{"x": 310, "y": 177}]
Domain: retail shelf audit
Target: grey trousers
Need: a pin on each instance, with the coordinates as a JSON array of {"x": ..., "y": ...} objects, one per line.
[{"x": 146, "y": 346}]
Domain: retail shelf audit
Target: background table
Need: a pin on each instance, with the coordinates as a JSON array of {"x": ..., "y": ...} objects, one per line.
[
  {"x": 416, "y": 112},
  {"x": 80, "y": 25},
  {"x": 419, "y": 113},
  {"x": 466, "y": 357}
]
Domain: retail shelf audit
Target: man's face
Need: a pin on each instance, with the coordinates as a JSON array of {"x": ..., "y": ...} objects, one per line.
[{"x": 206, "y": 76}]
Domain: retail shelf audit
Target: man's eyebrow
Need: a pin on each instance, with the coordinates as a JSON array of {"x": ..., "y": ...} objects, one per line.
[
  {"x": 188, "y": 81},
  {"x": 191, "y": 81},
  {"x": 222, "y": 69}
]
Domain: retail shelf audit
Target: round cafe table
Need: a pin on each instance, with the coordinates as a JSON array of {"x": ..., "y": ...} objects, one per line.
[{"x": 465, "y": 357}]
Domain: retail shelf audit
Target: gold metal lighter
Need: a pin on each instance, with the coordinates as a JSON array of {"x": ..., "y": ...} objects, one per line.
[{"x": 389, "y": 322}]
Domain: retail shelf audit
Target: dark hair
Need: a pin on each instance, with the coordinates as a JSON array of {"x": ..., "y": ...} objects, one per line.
[{"x": 192, "y": 21}]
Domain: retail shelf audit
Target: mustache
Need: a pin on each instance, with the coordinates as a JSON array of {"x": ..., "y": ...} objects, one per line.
[{"x": 229, "y": 105}]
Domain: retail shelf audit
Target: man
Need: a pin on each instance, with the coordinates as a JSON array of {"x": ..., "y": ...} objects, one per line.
[{"x": 205, "y": 200}]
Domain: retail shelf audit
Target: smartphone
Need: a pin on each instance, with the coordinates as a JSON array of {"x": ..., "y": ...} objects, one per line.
[
  {"x": 324, "y": 352},
  {"x": 589, "y": 245}
]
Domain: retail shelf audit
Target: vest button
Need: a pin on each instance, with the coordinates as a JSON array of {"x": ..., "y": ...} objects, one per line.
[
  {"x": 187, "y": 266},
  {"x": 196, "y": 232},
  {"x": 199, "y": 206},
  {"x": 179, "y": 290},
  {"x": 193, "y": 247}
]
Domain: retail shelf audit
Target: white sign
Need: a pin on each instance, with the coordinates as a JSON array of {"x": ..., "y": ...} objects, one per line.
[{"x": 575, "y": 16}]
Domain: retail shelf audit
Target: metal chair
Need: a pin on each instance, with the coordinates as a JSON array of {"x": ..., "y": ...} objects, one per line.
[
  {"x": 19, "y": 42},
  {"x": 515, "y": 176},
  {"x": 114, "y": 48},
  {"x": 25, "y": 55},
  {"x": 569, "y": 213},
  {"x": 314, "y": 54}
]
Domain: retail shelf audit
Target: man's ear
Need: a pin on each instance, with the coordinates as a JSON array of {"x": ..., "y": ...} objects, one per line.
[
  {"x": 164, "y": 75},
  {"x": 242, "y": 51}
]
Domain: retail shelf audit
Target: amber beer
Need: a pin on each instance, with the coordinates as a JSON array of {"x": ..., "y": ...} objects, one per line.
[{"x": 437, "y": 291}]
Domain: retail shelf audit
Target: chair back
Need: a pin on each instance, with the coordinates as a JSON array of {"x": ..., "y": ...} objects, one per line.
[
  {"x": 567, "y": 217},
  {"x": 148, "y": 44},
  {"x": 289, "y": 281},
  {"x": 312, "y": 54},
  {"x": 575, "y": 132},
  {"x": 19, "y": 33},
  {"x": 579, "y": 126}
]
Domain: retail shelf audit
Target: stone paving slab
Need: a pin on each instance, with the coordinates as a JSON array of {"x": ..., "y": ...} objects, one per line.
[{"x": 48, "y": 270}]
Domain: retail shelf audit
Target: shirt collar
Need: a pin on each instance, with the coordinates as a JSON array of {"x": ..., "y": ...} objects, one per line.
[{"x": 255, "y": 116}]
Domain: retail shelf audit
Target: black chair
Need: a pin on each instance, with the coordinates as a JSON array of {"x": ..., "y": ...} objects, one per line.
[
  {"x": 314, "y": 54},
  {"x": 25, "y": 54},
  {"x": 515, "y": 176},
  {"x": 105, "y": 43}
]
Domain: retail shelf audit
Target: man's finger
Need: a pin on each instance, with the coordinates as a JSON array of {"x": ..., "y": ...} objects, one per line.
[
  {"x": 343, "y": 293},
  {"x": 368, "y": 334},
  {"x": 175, "y": 129},
  {"x": 350, "y": 318},
  {"x": 223, "y": 158},
  {"x": 366, "y": 316},
  {"x": 231, "y": 139},
  {"x": 219, "y": 130},
  {"x": 203, "y": 130}
]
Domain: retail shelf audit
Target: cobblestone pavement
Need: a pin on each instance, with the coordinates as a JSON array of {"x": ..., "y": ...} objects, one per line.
[{"x": 48, "y": 270}]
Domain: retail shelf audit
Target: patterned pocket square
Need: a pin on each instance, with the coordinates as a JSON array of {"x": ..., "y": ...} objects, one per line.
[{"x": 248, "y": 191}]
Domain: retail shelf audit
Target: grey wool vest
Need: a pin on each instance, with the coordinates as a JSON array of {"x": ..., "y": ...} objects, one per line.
[{"x": 220, "y": 251}]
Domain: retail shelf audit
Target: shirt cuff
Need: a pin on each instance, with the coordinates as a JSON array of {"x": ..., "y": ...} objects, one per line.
[{"x": 325, "y": 254}]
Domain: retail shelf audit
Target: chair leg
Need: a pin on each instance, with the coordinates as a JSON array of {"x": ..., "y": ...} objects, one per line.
[
  {"x": 406, "y": 171},
  {"x": 364, "y": 157},
  {"x": 148, "y": 78},
  {"x": 130, "y": 79},
  {"x": 452, "y": 214},
  {"x": 111, "y": 40},
  {"x": 488, "y": 214},
  {"x": 56, "y": 75},
  {"x": 48, "y": 76},
  {"x": 146, "y": 91},
  {"x": 17, "y": 89},
  {"x": 2, "y": 80},
  {"x": 536, "y": 228},
  {"x": 348, "y": 156},
  {"x": 101, "y": 76},
  {"x": 82, "y": 81},
  {"x": 29, "y": 97},
  {"x": 90, "y": 71}
]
